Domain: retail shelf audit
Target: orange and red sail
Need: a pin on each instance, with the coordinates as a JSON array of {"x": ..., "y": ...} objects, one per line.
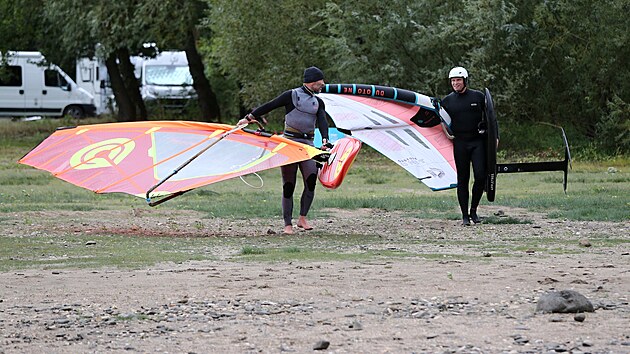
[{"x": 133, "y": 157}]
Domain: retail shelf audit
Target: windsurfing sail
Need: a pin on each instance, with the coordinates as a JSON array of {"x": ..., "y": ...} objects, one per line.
[
  {"x": 407, "y": 127},
  {"x": 136, "y": 157}
]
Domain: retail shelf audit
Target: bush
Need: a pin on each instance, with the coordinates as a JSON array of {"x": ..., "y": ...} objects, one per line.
[{"x": 613, "y": 131}]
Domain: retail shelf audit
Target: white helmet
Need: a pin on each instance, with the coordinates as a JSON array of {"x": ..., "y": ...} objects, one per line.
[{"x": 458, "y": 71}]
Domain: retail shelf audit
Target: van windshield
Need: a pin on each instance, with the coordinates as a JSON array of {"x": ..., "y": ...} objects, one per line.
[{"x": 168, "y": 75}]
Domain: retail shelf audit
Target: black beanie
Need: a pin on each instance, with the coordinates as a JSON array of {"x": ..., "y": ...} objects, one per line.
[{"x": 313, "y": 74}]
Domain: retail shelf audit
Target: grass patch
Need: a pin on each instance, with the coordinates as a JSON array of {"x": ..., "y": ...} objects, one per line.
[
  {"x": 73, "y": 251},
  {"x": 281, "y": 255},
  {"x": 249, "y": 250},
  {"x": 504, "y": 220},
  {"x": 450, "y": 257},
  {"x": 596, "y": 192}
]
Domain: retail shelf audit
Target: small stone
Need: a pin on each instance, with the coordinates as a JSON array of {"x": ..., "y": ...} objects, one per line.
[
  {"x": 521, "y": 341},
  {"x": 271, "y": 232},
  {"x": 547, "y": 281},
  {"x": 585, "y": 243},
  {"x": 321, "y": 345},
  {"x": 90, "y": 243},
  {"x": 580, "y": 317},
  {"x": 355, "y": 326}
]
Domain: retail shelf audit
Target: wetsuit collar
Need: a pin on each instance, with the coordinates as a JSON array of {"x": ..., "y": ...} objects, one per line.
[{"x": 308, "y": 90}]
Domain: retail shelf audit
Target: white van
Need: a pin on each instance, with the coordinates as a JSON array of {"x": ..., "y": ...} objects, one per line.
[
  {"x": 29, "y": 88},
  {"x": 164, "y": 79}
]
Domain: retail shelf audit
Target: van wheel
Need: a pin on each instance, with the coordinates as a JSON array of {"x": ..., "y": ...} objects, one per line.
[{"x": 75, "y": 112}]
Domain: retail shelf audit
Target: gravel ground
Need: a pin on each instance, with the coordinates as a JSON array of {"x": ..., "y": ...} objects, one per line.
[{"x": 479, "y": 299}]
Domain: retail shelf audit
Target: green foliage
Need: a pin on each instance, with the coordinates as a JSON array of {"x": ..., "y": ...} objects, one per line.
[
  {"x": 534, "y": 139},
  {"x": 23, "y": 26},
  {"x": 613, "y": 130},
  {"x": 548, "y": 61},
  {"x": 554, "y": 61},
  {"x": 265, "y": 48},
  {"x": 570, "y": 62}
]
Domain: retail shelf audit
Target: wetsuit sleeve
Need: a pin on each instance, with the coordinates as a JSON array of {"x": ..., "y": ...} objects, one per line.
[
  {"x": 322, "y": 123},
  {"x": 283, "y": 100}
]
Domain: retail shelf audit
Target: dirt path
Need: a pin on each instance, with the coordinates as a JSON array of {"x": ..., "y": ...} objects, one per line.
[{"x": 482, "y": 301}]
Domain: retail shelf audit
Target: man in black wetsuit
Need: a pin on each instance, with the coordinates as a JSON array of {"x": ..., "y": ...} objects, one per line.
[
  {"x": 466, "y": 108},
  {"x": 303, "y": 112}
]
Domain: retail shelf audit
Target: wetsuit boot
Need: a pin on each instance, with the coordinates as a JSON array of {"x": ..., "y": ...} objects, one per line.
[{"x": 474, "y": 217}]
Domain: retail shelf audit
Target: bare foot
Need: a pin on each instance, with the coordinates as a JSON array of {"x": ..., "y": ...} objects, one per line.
[
  {"x": 288, "y": 230},
  {"x": 303, "y": 224}
]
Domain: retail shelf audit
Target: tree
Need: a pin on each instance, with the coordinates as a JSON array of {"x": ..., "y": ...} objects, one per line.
[
  {"x": 116, "y": 30},
  {"x": 399, "y": 43},
  {"x": 175, "y": 24},
  {"x": 22, "y": 25},
  {"x": 566, "y": 57},
  {"x": 266, "y": 48}
]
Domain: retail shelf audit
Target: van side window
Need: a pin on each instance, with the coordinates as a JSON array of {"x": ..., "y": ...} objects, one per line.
[
  {"x": 54, "y": 79},
  {"x": 11, "y": 75}
]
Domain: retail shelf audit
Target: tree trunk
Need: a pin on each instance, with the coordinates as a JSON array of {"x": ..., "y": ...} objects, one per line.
[
  {"x": 131, "y": 82},
  {"x": 206, "y": 98},
  {"x": 126, "y": 109}
]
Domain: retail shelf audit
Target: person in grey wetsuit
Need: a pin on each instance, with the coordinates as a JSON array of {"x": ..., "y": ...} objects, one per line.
[{"x": 304, "y": 111}]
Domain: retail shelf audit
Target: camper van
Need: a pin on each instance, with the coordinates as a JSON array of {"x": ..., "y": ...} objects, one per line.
[
  {"x": 92, "y": 77},
  {"x": 30, "y": 87},
  {"x": 165, "y": 80}
]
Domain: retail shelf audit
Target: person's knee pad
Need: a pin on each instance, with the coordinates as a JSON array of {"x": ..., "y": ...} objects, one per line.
[
  {"x": 287, "y": 189},
  {"x": 311, "y": 181}
]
